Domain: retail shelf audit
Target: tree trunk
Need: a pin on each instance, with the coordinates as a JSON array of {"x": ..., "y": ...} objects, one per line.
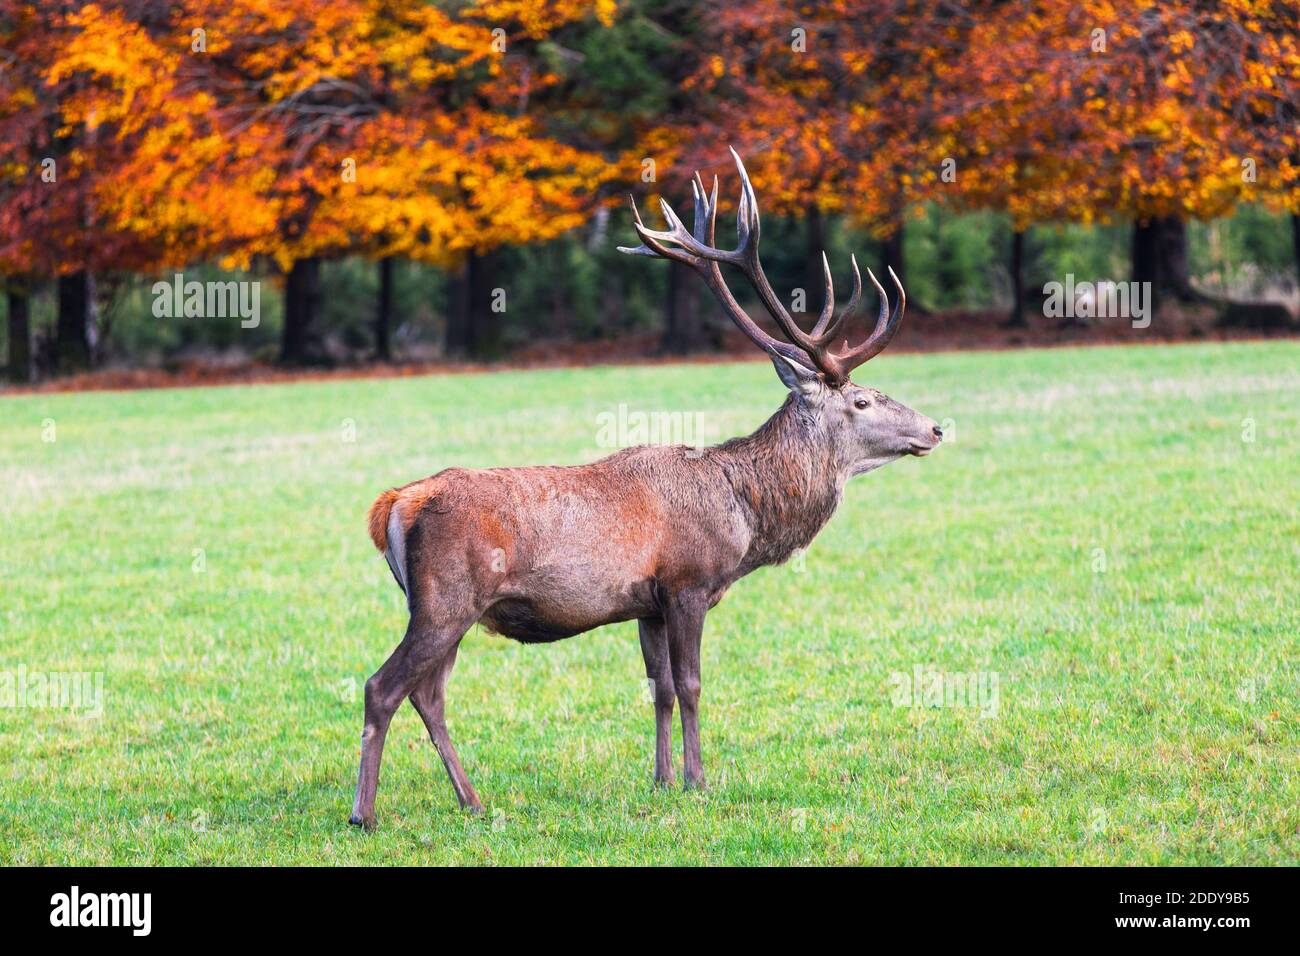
[
  {"x": 1174, "y": 273},
  {"x": 384, "y": 316},
  {"x": 1145, "y": 258},
  {"x": 682, "y": 332},
  {"x": 1017, "y": 265},
  {"x": 1159, "y": 256},
  {"x": 20, "y": 338},
  {"x": 814, "y": 273},
  {"x": 455, "y": 343},
  {"x": 473, "y": 324},
  {"x": 300, "y": 344},
  {"x": 73, "y": 333},
  {"x": 484, "y": 307},
  {"x": 1295, "y": 242}
]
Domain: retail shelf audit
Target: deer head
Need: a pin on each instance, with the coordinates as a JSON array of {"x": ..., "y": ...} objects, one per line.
[{"x": 863, "y": 428}]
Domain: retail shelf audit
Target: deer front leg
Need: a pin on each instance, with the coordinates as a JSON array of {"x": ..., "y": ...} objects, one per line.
[
  {"x": 684, "y": 618},
  {"x": 658, "y": 670},
  {"x": 429, "y": 699}
]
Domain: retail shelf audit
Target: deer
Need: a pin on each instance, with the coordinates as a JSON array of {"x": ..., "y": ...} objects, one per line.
[{"x": 655, "y": 534}]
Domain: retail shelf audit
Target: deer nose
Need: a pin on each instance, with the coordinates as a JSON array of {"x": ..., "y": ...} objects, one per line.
[{"x": 938, "y": 432}]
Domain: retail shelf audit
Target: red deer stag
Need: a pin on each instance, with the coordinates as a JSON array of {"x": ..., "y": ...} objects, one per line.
[{"x": 652, "y": 533}]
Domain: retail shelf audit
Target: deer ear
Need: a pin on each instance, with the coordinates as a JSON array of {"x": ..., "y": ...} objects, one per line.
[{"x": 797, "y": 378}]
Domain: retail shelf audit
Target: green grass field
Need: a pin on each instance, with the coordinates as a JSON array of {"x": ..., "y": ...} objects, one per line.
[{"x": 1101, "y": 546}]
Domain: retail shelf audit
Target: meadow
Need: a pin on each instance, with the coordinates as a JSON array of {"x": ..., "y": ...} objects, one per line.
[{"x": 1071, "y": 635}]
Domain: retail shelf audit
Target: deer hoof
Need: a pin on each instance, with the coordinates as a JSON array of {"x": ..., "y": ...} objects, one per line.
[
  {"x": 474, "y": 808},
  {"x": 696, "y": 784},
  {"x": 369, "y": 824}
]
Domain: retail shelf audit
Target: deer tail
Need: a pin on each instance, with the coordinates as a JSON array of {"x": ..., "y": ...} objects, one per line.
[
  {"x": 379, "y": 512},
  {"x": 387, "y": 534}
]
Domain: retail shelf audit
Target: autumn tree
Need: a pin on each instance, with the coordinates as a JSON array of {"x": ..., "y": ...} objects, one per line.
[
  {"x": 55, "y": 157},
  {"x": 353, "y": 126},
  {"x": 1008, "y": 122},
  {"x": 1266, "y": 117},
  {"x": 1150, "y": 113},
  {"x": 1171, "y": 85}
]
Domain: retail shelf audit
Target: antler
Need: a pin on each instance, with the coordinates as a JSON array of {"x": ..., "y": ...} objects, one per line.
[{"x": 695, "y": 248}]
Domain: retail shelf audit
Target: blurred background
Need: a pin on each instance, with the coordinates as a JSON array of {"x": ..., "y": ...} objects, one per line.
[{"x": 423, "y": 183}]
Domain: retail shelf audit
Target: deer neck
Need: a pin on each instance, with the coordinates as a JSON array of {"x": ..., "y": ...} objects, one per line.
[{"x": 788, "y": 479}]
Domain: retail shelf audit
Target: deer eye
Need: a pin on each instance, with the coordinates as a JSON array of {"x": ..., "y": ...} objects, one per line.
[{"x": 861, "y": 403}]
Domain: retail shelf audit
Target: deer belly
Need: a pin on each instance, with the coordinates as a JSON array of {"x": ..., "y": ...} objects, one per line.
[{"x": 535, "y": 620}]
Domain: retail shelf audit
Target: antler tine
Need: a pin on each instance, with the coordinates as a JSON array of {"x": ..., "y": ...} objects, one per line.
[
  {"x": 699, "y": 224},
  {"x": 827, "y": 330},
  {"x": 828, "y": 307},
  {"x": 747, "y": 224},
  {"x": 883, "y": 314},
  {"x": 744, "y": 255},
  {"x": 676, "y": 228},
  {"x": 652, "y": 243},
  {"x": 855, "y": 299},
  {"x": 691, "y": 246},
  {"x": 643, "y": 249},
  {"x": 899, "y": 308},
  {"x": 886, "y": 325},
  {"x": 690, "y": 251},
  {"x": 713, "y": 211}
]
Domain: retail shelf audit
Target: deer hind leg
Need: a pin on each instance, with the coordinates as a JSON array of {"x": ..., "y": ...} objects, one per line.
[
  {"x": 684, "y": 618},
  {"x": 429, "y": 700},
  {"x": 658, "y": 670},
  {"x": 425, "y": 646}
]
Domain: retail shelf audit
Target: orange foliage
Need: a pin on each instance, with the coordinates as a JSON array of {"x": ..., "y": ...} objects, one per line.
[
  {"x": 1046, "y": 110},
  {"x": 273, "y": 130}
]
